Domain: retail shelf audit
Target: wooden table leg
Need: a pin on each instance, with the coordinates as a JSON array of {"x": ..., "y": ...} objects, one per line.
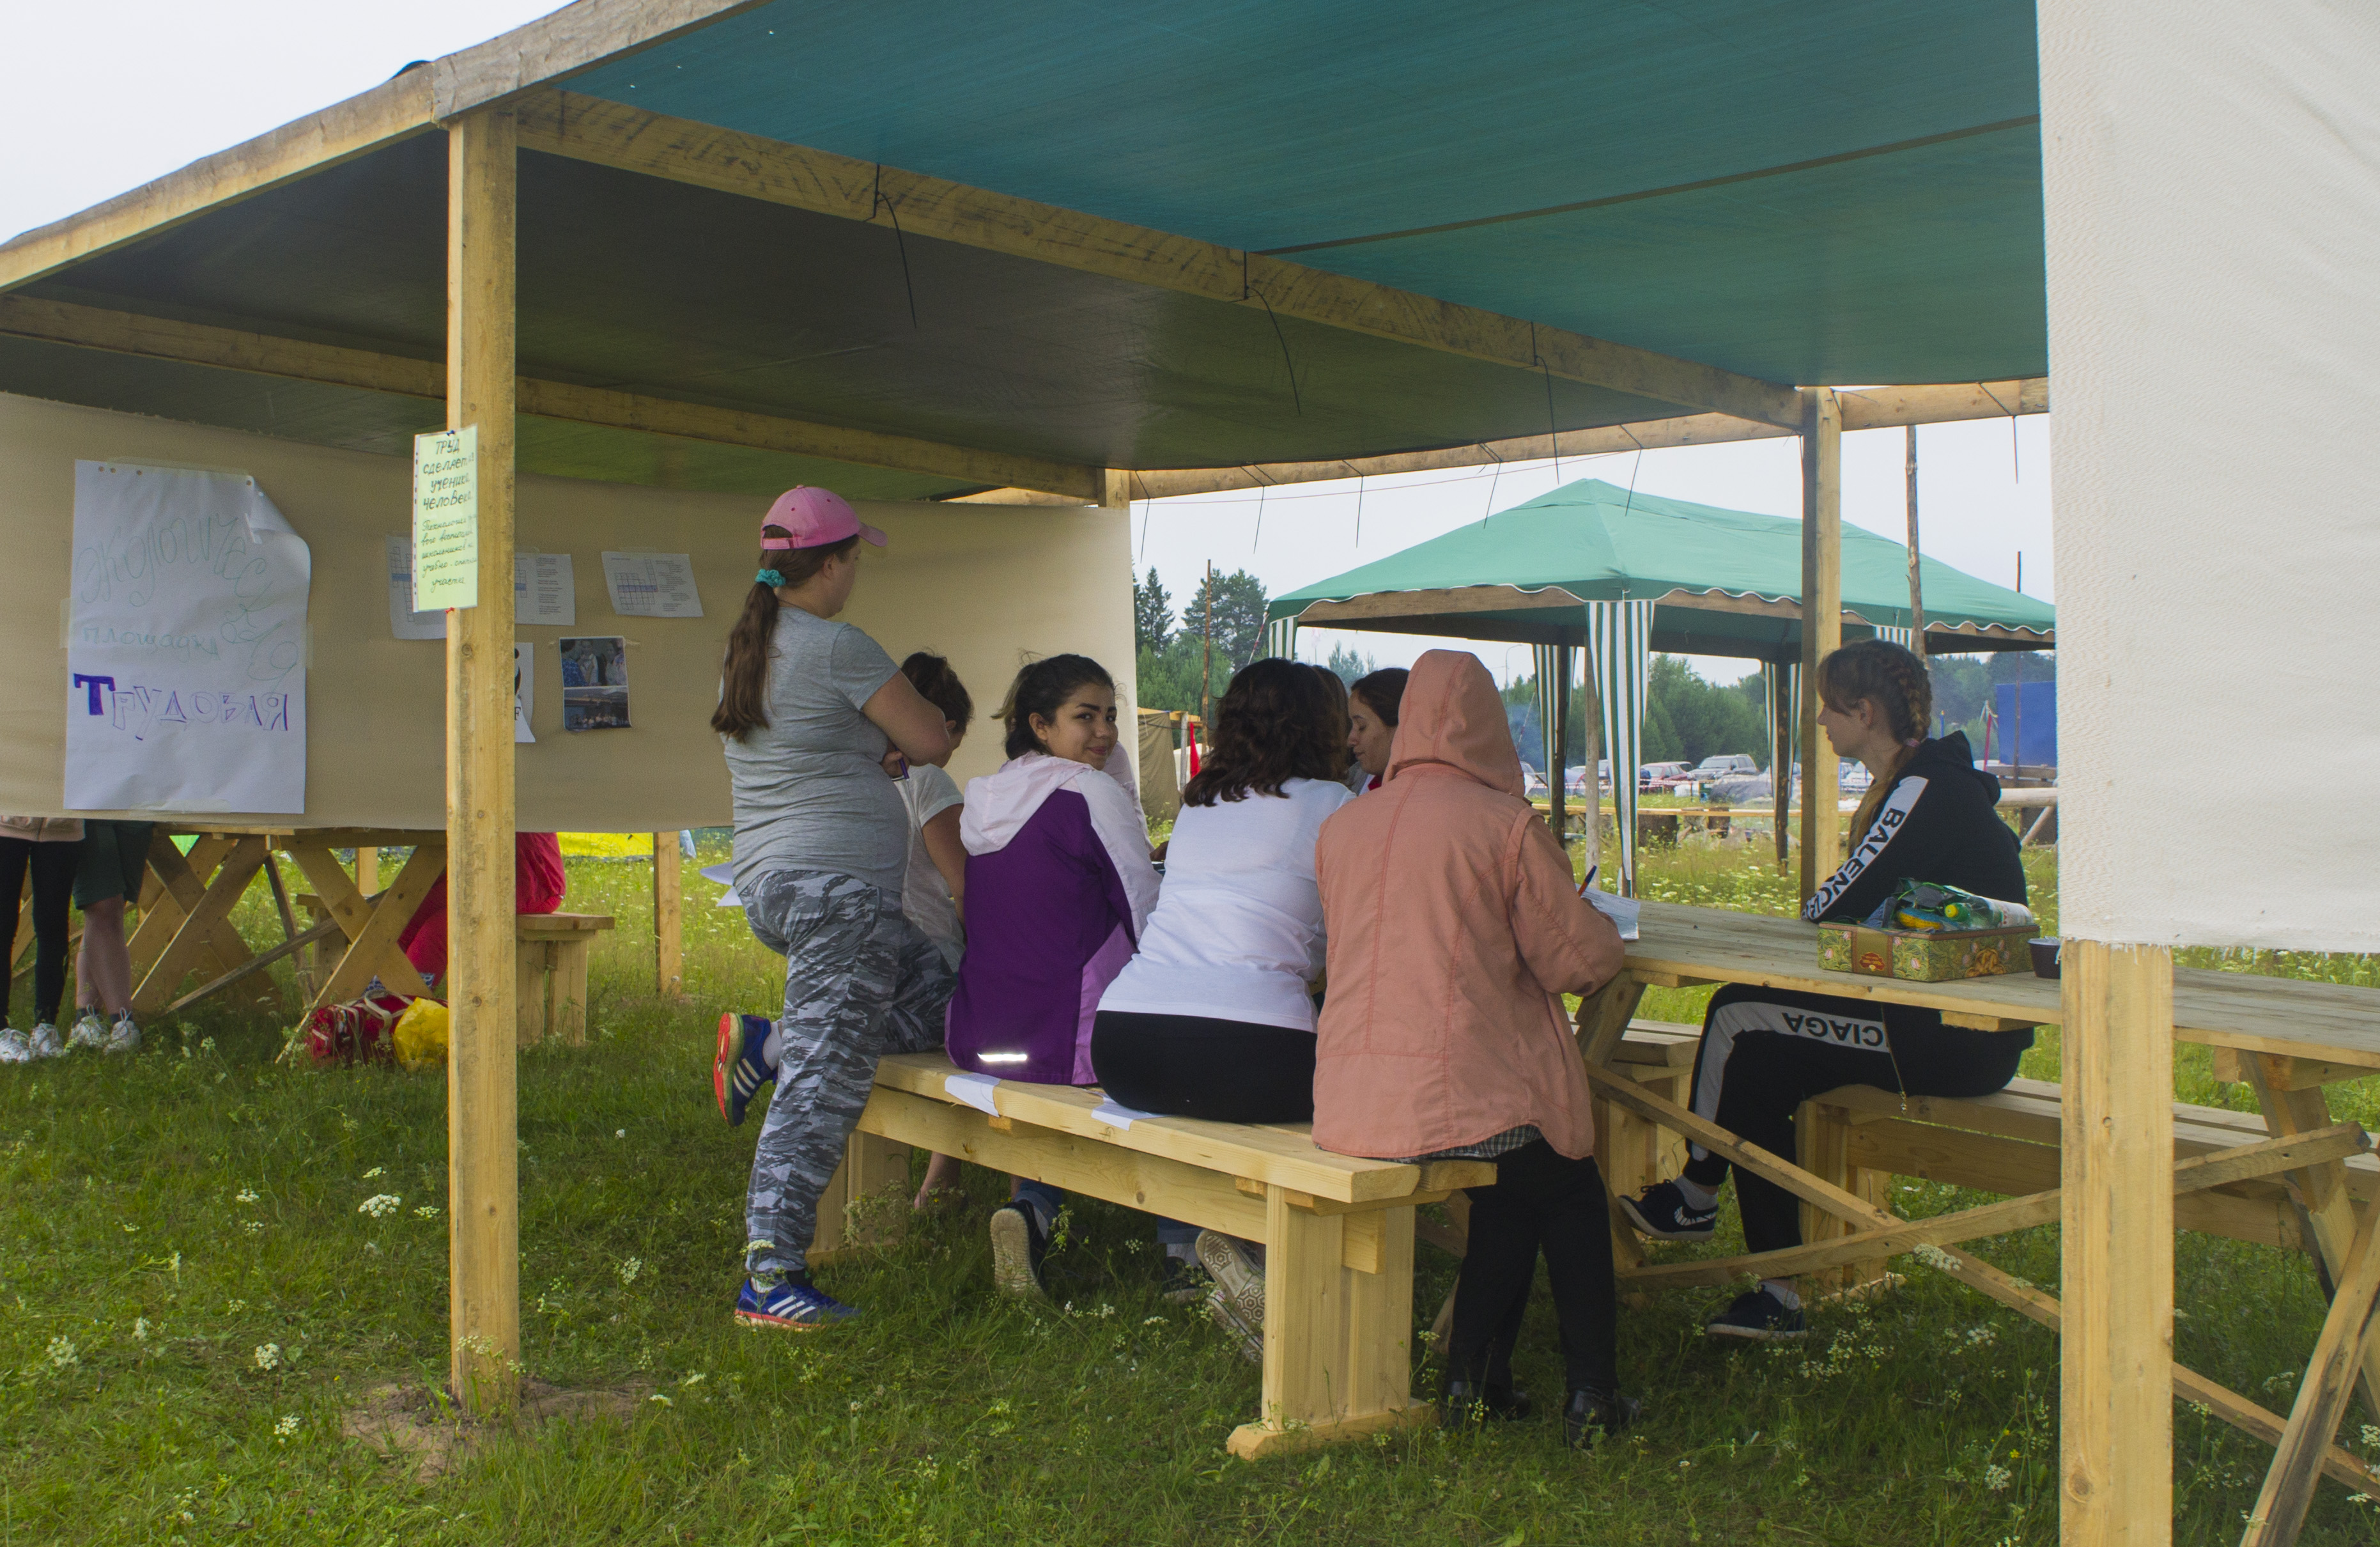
[
  {"x": 175, "y": 885},
  {"x": 872, "y": 1166},
  {"x": 198, "y": 931},
  {"x": 2281, "y": 1506},
  {"x": 2293, "y": 1103},
  {"x": 372, "y": 930},
  {"x": 1338, "y": 1360}
]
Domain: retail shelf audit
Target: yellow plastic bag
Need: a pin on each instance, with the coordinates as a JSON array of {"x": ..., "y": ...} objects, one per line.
[{"x": 421, "y": 1035}]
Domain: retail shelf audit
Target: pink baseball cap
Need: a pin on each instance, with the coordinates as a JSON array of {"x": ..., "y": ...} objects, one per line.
[{"x": 815, "y": 517}]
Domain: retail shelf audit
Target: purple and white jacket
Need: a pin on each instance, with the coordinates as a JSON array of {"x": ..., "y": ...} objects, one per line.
[{"x": 1058, "y": 887}]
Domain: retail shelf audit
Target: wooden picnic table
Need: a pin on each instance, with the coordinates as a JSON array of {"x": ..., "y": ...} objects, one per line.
[
  {"x": 186, "y": 903},
  {"x": 2286, "y": 1036}
]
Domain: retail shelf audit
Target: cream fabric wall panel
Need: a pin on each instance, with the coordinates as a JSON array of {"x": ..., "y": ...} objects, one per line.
[
  {"x": 2213, "y": 200},
  {"x": 982, "y": 584}
]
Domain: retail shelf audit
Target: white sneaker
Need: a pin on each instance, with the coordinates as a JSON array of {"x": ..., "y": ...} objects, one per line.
[
  {"x": 45, "y": 1041},
  {"x": 14, "y": 1047},
  {"x": 124, "y": 1036},
  {"x": 90, "y": 1030}
]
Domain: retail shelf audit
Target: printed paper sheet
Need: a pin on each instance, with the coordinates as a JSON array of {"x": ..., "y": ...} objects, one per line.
[{"x": 651, "y": 585}]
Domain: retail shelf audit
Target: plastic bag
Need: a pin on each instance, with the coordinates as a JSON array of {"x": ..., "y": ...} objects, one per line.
[
  {"x": 1928, "y": 904},
  {"x": 352, "y": 1033},
  {"x": 421, "y": 1035}
]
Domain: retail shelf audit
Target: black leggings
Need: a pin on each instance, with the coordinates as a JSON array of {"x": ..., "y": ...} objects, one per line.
[
  {"x": 1225, "y": 1071},
  {"x": 52, "y": 865},
  {"x": 1541, "y": 1202},
  {"x": 1767, "y": 1051}
]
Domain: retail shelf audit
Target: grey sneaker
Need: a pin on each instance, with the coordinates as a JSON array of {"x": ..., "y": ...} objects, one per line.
[
  {"x": 1225, "y": 1312},
  {"x": 90, "y": 1030},
  {"x": 124, "y": 1036},
  {"x": 45, "y": 1043},
  {"x": 14, "y": 1047},
  {"x": 1238, "y": 1280}
]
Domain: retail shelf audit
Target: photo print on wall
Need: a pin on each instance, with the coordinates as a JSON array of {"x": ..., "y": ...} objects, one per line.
[{"x": 595, "y": 683}]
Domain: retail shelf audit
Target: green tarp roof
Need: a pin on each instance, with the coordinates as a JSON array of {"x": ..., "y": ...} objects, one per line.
[{"x": 1599, "y": 543}]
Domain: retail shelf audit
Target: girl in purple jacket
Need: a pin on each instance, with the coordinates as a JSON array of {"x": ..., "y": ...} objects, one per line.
[{"x": 1057, "y": 885}]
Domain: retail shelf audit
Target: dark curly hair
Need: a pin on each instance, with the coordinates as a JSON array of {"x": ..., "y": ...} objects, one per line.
[
  {"x": 1042, "y": 687},
  {"x": 939, "y": 686},
  {"x": 1275, "y": 723}
]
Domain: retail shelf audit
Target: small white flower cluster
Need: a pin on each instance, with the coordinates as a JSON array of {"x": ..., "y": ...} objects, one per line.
[
  {"x": 1934, "y": 1256},
  {"x": 427, "y": 1211},
  {"x": 245, "y": 1195},
  {"x": 253, "y": 1227},
  {"x": 380, "y": 1205},
  {"x": 375, "y": 1171},
  {"x": 2371, "y": 1437},
  {"x": 1997, "y": 1478},
  {"x": 630, "y": 1268},
  {"x": 662, "y": 1400},
  {"x": 140, "y": 1329},
  {"x": 1983, "y": 1334},
  {"x": 64, "y": 1353},
  {"x": 268, "y": 1356},
  {"x": 287, "y": 1427}
]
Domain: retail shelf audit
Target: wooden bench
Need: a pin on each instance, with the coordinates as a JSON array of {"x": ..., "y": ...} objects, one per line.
[
  {"x": 551, "y": 964},
  {"x": 1338, "y": 1232}
]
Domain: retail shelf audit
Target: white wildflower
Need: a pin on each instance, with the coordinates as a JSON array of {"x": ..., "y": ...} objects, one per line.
[
  {"x": 375, "y": 1171},
  {"x": 233, "y": 1307},
  {"x": 64, "y": 1353},
  {"x": 245, "y": 1195},
  {"x": 140, "y": 1329},
  {"x": 207, "y": 1044},
  {"x": 268, "y": 1356},
  {"x": 427, "y": 1211},
  {"x": 622, "y": 1133},
  {"x": 378, "y": 1204},
  {"x": 1996, "y": 1477},
  {"x": 254, "y": 1227},
  {"x": 630, "y": 1268},
  {"x": 1934, "y": 1256},
  {"x": 287, "y": 1427},
  {"x": 695, "y": 1379},
  {"x": 1152, "y": 1321},
  {"x": 2371, "y": 1437},
  {"x": 662, "y": 1400}
]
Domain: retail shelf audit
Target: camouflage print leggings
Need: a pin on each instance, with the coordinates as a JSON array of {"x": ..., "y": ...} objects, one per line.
[{"x": 861, "y": 980}]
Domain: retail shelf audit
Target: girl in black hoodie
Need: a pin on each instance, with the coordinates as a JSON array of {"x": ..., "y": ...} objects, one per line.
[{"x": 1928, "y": 816}]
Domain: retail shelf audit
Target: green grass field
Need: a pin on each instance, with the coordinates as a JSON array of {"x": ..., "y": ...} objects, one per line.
[{"x": 214, "y": 1267}]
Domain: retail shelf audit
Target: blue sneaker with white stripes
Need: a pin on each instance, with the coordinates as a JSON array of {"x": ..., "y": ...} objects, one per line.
[
  {"x": 800, "y": 1307},
  {"x": 739, "y": 1071}
]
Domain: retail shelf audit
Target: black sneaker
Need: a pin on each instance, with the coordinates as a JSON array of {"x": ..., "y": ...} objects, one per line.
[
  {"x": 1759, "y": 1317},
  {"x": 1590, "y": 1415},
  {"x": 1471, "y": 1401},
  {"x": 1017, "y": 1246},
  {"x": 1662, "y": 1212}
]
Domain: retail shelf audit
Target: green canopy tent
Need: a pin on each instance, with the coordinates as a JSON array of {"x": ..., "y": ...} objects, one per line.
[{"x": 1623, "y": 574}]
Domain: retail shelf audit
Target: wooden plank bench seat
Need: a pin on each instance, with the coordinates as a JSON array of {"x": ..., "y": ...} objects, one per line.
[
  {"x": 1338, "y": 1231},
  {"x": 550, "y": 987}
]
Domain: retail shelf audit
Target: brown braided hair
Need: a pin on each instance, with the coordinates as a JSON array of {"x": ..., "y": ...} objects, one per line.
[{"x": 1893, "y": 679}]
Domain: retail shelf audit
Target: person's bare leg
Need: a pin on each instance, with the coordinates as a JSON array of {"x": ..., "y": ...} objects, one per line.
[
  {"x": 103, "y": 968},
  {"x": 941, "y": 1182}
]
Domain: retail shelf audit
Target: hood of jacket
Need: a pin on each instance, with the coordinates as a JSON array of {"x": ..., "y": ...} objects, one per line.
[
  {"x": 1000, "y": 804},
  {"x": 1948, "y": 757},
  {"x": 1452, "y": 717}
]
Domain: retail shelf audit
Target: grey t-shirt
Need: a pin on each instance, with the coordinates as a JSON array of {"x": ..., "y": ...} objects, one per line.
[{"x": 809, "y": 786}]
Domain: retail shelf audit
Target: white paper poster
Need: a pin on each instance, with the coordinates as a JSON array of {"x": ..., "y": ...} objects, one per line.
[
  {"x": 524, "y": 690},
  {"x": 651, "y": 585},
  {"x": 446, "y": 517},
  {"x": 544, "y": 591},
  {"x": 186, "y": 648}
]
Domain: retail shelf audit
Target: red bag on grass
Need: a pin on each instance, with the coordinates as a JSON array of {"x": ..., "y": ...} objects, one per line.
[{"x": 355, "y": 1033}]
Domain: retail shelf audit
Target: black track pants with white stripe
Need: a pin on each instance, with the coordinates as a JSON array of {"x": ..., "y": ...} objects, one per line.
[{"x": 1767, "y": 1051}]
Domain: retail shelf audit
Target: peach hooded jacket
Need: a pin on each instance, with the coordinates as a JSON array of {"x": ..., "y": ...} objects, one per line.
[{"x": 1454, "y": 930}]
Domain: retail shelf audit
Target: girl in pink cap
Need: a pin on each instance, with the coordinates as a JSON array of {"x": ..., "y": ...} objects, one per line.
[{"x": 817, "y": 721}]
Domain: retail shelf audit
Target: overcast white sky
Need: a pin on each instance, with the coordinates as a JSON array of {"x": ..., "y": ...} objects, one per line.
[{"x": 139, "y": 88}]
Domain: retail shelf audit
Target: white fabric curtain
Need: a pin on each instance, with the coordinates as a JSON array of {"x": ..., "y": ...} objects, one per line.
[
  {"x": 1281, "y": 637},
  {"x": 1904, "y": 638},
  {"x": 1553, "y": 668},
  {"x": 1620, "y": 636}
]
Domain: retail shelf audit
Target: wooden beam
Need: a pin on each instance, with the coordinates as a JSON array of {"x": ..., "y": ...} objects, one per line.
[
  {"x": 483, "y": 1185},
  {"x": 610, "y": 134},
  {"x": 563, "y": 43},
  {"x": 2115, "y": 1425},
  {"x": 262, "y": 354},
  {"x": 2287, "y": 1492},
  {"x": 669, "y": 917},
  {"x": 391, "y": 111},
  {"x": 1822, "y": 595},
  {"x": 1867, "y": 408}
]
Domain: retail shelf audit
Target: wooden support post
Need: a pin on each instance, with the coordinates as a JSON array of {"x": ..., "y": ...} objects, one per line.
[
  {"x": 2116, "y": 1431},
  {"x": 871, "y": 1166},
  {"x": 1822, "y": 623},
  {"x": 1782, "y": 712},
  {"x": 669, "y": 917},
  {"x": 482, "y": 1166}
]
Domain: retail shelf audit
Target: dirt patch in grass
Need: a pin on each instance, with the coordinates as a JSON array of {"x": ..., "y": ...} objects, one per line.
[{"x": 429, "y": 1432}]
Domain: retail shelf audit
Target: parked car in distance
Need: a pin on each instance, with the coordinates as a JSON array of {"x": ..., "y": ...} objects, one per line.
[
  {"x": 1660, "y": 775},
  {"x": 1725, "y": 765},
  {"x": 1850, "y": 775},
  {"x": 1574, "y": 778}
]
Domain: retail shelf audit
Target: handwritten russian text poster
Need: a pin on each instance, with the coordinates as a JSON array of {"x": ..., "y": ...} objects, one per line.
[
  {"x": 186, "y": 648},
  {"x": 446, "y": 519}
]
